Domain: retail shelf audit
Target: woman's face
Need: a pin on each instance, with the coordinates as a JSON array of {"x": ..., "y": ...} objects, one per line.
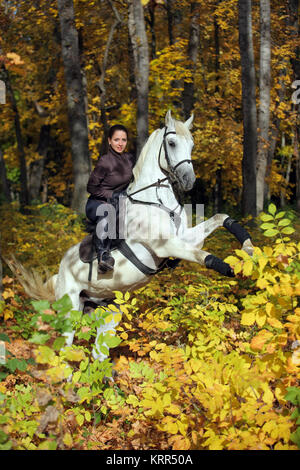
[{"x": 118, "y": 141}]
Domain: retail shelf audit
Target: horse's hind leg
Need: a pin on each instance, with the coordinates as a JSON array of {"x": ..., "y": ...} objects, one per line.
[
  {"x": 103, "y": 330},
  {"x": 77, "y": 305}
]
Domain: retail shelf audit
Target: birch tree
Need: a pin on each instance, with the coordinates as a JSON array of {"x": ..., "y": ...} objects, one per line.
[
  {"x": 138, "y": 37},
  {"x": 193, "y": 46},
  {"x": 264, "y": 101}
]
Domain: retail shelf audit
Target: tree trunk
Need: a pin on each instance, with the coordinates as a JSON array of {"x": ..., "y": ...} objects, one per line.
[
  {"x": 288, "y": 169},
  {"x": 151, "y": 23},
  {"x": 249, "y": 108},
  {"x": 101, "y": 82},
  {"x": 24, "y": 197},
  {"x": 4, "y": 182},
  {"x": 170, "y": 17},
  {"x": 293, "y": 7},
  {"x": 37, "y": 167},
  {"x": 188, "y": 93},
  {"x": 137, "y": 31},
  {"x": 264, "y": 100},
  {"x": 218, "y": 187},
  {"x": 76, "y": 103}
]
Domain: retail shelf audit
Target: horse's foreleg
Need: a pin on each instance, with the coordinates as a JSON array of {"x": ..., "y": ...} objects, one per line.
[
  {"x": 177, "y": 247},
  {"x": 196, "y": 235}
]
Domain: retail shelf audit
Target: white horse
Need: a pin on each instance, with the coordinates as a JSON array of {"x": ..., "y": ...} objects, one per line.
[{"x": 156, "y": 226}]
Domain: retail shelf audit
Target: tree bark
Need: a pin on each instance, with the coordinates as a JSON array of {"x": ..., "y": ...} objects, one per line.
[
  {"x": 293, "y": 10},
  {"x": 4, "y": 182},
  {"x": 193, "y": 46},
  {"x": 137, "y": 31},
  {"x": 37, "y": 167},
  {"x": 101, "y": 82},
  {"x": 170, "y": 16},
  {"x": 274, "y": 130},
  {"x": 151, "y": 23},
  {"x": 24, "y": 196},
  {"x": 264, "y": 101},
  {"x": 249, "y": 108},
  {"x": 218, "y": 198},
  {"x": 75, "y": 102}
]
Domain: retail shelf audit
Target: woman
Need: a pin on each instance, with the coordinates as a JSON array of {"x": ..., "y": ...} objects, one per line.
[{"x": 107, "y": 182}]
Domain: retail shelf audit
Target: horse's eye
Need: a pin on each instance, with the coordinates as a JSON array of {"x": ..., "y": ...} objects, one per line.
[{"x": 171, "y": 143}]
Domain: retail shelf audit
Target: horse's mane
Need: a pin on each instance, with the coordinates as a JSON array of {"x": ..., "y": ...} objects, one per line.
[{"x": 152, "y": 144}]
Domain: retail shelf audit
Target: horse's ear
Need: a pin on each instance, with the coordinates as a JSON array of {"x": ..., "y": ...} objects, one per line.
[
  {"x": 189, "y": 122},
  {"x": 169, "y": 119}
]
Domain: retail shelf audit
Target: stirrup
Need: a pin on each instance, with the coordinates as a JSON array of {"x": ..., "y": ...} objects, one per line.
[{"x": 107, "y": 264}]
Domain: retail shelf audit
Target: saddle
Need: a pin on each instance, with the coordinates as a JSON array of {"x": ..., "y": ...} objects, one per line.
[{"x": 87, "y": 254}]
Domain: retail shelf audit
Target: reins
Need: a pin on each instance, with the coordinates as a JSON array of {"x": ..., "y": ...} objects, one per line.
[
  {"x": 171, "y": 177},
  {"x": 170, "y": 173}
]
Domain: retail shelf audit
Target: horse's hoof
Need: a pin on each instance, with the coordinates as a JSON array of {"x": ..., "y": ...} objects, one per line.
[{"x": 248, "y": 247}]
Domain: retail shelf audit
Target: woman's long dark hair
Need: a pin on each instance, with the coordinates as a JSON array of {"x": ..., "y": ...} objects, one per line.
[{"x": 117, "y": 127}]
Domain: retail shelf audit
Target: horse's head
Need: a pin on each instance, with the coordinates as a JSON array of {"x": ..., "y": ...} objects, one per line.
[{"x": 178, "y": 145}]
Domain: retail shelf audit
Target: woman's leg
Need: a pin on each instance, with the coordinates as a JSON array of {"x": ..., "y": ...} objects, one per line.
[{"x": 102, "y": 240}]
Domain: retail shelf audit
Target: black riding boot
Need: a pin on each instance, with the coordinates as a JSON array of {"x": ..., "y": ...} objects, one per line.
[{"x": 105, "y": 260}]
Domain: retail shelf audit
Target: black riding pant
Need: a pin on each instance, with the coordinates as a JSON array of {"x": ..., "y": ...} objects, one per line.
[{"x": 105, "y": 214}]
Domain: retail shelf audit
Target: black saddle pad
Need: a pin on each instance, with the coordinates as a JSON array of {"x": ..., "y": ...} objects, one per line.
[{"x": 87, "y": 252}]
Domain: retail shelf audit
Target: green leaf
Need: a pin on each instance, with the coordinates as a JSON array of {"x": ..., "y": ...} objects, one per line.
[
  {"x": 272, "y": 209},
  {"x": 295, "y": 437},
  {"x": 39, "y": 338},
  {"x": 6, "y": 446},
  {"x": 4, "y": 337},
  {"x": 112, "y": 341},
  {"x": 284, "y": 222},
  {"x": 63, "y": 304},
  {"x": 266, "y": 217},
  {"x": 3, "y": 375},
  {"x": 267, "y": 226},
  {"x": 271, "y": 232},
  {"x": 296, "y": 414},
  {"x": 288, "y": 230},
  {"x": 279, "y": 215},
  {"x": 80, "y": 419},
  {"x": 83, "y": 392},
  {"x": 40, "y": 305},
  {"x": 59, "y": 343},
  {"x": 104, "y": 350},
  {"x": 13, "y": 364},
  {"x": 76, "y": 376},
  {"x": 293, "y": 395},
  {"x": 21, "y": 365}
]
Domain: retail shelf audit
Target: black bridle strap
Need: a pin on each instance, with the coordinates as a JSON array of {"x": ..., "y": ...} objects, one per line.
[
  {"x": 157, "y": 184},
  {"x": 172, "y": 169}
]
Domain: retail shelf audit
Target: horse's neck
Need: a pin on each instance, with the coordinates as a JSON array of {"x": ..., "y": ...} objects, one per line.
[{"x": 150, "y": 173}]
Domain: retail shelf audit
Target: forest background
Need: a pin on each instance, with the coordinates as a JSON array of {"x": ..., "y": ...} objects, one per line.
[{"x": 84, "y": 64}]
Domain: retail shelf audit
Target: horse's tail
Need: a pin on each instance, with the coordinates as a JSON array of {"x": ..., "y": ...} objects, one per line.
[{"x": 34, "y": 283}]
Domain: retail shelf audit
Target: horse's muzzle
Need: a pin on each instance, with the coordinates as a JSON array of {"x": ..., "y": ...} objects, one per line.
[{"x": 187, "y": 180}]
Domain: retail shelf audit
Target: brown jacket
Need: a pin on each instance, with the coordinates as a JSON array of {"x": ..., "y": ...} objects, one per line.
[{"x": 112, "y": 172}]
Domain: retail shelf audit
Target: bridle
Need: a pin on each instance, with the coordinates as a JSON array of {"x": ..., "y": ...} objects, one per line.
[
  {"x": 170, "y": 176},
  {"x": 170, "y": 173}
]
